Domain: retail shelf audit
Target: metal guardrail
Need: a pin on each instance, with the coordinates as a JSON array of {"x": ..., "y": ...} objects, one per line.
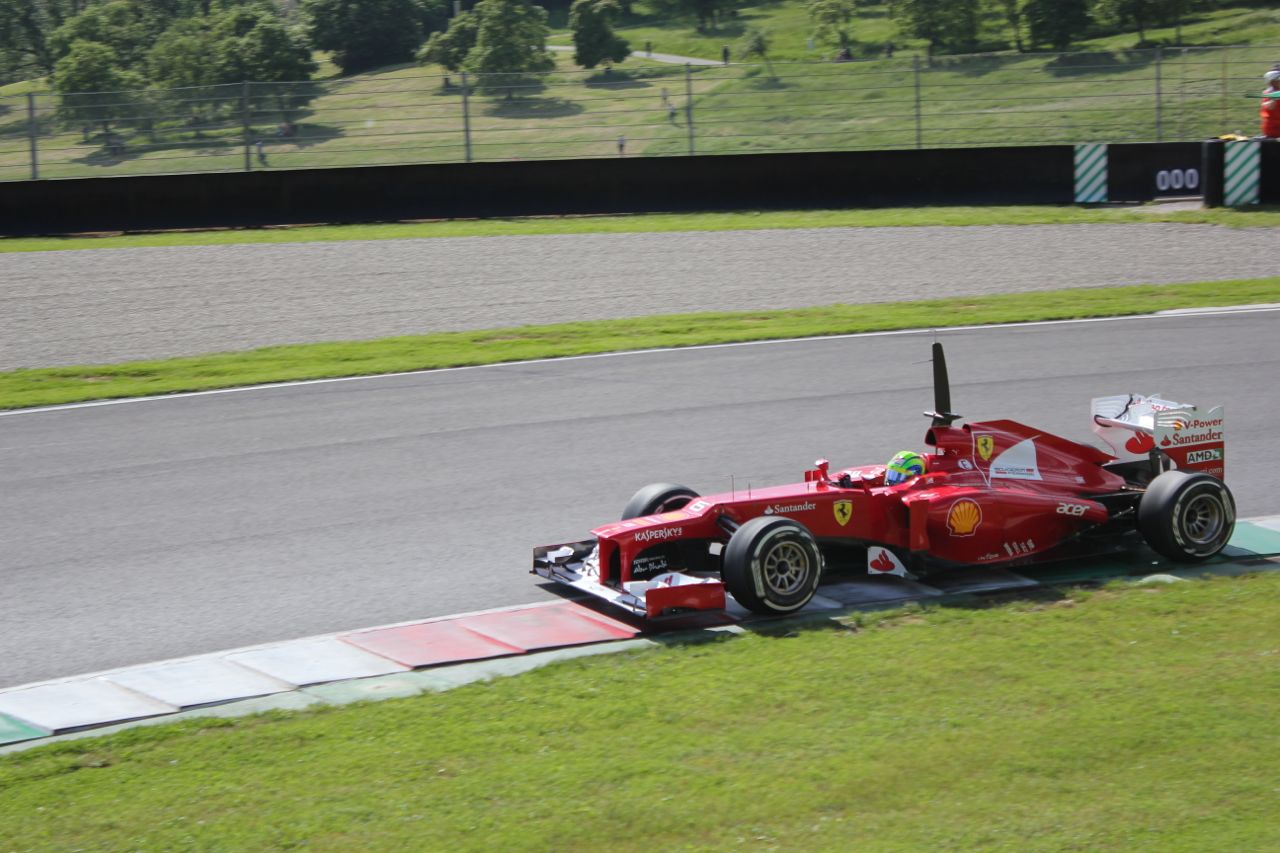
[{"x": 412, "y": 116}]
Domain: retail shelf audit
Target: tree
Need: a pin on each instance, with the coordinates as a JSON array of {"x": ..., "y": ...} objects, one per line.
[
  {"x": 944, "y": 24},
  {"x": 594, "y": 40},
  {"x": 217, "y": 54},
  {"x": 756, "y": 42},
  {"x": 450, "y": 48},
  {"x": 511, "y": 40},
  {"x": 1013, "y": 15},
  {"x": 25, "y": 27},
  {"x": 1056, "y": 22},
  {"x": 94, "y": 88},
  {"x": 119, "y": 24},
  {"x": 183, "y": 55},
  {"x": 831, "y": 20},
  {"x": 1135, "y": 13},
  {"x": 365, "y": 34},
  {"x": 254, "y": 44}
]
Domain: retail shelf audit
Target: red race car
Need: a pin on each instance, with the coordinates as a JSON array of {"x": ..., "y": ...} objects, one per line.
[{"x": 991, "y": 493}]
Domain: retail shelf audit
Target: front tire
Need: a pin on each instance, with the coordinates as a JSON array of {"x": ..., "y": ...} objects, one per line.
[
  {"x": 772, "y": 565},
  {"x": 1187, "y": 517},
  {"x": 657, "y": 497}
]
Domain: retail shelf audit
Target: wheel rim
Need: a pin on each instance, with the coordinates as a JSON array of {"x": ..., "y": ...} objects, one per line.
[
  {"x": 1203, "y": 519},
  {"x": 786, "y": 567}
]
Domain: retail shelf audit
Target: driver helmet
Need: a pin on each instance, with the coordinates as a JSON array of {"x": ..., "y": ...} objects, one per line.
[{"x": 903, "y": 466}]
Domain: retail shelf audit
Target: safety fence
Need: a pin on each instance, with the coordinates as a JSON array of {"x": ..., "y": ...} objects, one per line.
[{"x": 412, "y": 115}]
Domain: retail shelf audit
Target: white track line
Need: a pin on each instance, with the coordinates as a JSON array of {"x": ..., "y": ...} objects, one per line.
[{"x": 1179, "y": 313}]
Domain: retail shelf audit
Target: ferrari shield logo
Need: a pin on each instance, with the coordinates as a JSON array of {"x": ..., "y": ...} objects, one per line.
[
  {"x": 843, "y": 511},
  {"x": 986, "y": 446}
]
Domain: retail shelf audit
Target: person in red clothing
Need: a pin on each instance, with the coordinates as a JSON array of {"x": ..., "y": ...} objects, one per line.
[{"x": 1270, "y": 110}]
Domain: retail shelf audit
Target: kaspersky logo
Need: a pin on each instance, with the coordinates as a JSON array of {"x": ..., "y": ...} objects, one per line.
[{"x": 659, "y": 533}]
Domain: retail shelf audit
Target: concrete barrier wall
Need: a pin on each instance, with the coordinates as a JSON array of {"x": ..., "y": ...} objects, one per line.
[
  {"x": 1270, "y": 189},
  {"x": 970, "y": 176}
]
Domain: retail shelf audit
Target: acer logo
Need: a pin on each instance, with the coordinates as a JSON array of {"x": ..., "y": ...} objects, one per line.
[
  {"x": 659, "y": 533},
  {"x": 1075, "y": 510}
]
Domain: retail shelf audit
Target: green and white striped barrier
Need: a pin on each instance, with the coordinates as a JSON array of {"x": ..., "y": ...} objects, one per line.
[
  {"x": 1091, "y": 172},
  {"x": 1242, "y": 173}
]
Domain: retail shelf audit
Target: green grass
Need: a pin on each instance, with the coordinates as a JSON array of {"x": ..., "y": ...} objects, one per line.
[
  {"x": 403, "y": 114},
  {"x": 1131, "y": 718},
  {"x": 48, "y": 386},
  {"x": 789, "y": 28},
  {"x": 1261, "y": 217}
]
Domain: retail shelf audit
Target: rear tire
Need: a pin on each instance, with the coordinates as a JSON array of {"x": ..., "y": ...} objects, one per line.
[
  {"x": 772, "y": 565},
  {"x": 1187, "y": 517},
  {"x": 657, "y": 497}
]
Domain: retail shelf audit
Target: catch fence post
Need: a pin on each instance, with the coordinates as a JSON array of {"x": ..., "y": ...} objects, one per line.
[
  {"x": 244, "y": 124},
  {"x": 1226, "y": 110},
  {"x": 915, "y": 65},
  {"x": 1159, "y": 99},
  {"x": 688, "y": 103},
  {"x": 33, "y": 133},
  {"x": 466, "y": 118}
]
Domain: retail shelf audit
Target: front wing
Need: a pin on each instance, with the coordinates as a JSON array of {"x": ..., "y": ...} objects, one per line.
[{"x": 576, "y": 564}]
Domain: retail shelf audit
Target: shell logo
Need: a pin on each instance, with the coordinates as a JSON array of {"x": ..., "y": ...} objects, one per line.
[{"x": 964, "y": 517}]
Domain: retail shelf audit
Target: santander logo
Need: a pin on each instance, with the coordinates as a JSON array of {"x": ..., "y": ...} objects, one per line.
[
  {"x": 881, "y": 563},
  {"x": 1139, "y": 443}
]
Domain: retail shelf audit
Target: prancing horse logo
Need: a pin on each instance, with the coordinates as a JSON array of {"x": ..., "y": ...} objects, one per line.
[
  {"x": 986, "y": 446},
  {"x": 843, "y": 511}
]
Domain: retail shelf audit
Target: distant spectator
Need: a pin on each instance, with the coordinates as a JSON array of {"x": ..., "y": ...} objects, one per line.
[
  {"x": 622, "y": 145},
  {"x": 666, "y": 97},
  {"x": 1270, "y": 109},
  {"x": 724, "y": 54},
  {"x": 671, "y": 113},
  {"x": 262, "y": 154},
  {"x": 845, "y": 55},
  {"x": 648, "y": 48},
  {"x": 888, "y": 50}
]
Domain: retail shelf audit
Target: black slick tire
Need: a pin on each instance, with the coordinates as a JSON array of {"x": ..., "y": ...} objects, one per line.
[
  {"x": 1187, "y": 517},
  {"x": 657, "y": 497},
  {"x": 772, "y": 565}
]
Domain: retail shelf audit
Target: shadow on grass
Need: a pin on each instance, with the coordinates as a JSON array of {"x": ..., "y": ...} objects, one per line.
[
  {"x": 119, "y": 149},
  {"x": 611, "y": 80},
  {"x": 519, "y": 108},
  {"x": 1098, "y": 62}
]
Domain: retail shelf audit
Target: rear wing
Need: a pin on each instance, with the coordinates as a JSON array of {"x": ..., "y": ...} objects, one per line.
[{"x": 1137, "y": 427}]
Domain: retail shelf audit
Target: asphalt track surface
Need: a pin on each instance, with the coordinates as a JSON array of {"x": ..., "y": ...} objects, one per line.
[
  {"x": 147, "y": 530},
  {"x": 102, "y": 306}
]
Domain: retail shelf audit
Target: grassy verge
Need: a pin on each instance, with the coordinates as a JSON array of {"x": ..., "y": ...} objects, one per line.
[
  {"x": 47, "y": 386},
  {"x": 1262, "y": 217},
  {"x": 1122, "y": 719}
]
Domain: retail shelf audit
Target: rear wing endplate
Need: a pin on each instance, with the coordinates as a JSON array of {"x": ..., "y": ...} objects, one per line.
[{"x": 1134, "y": 426}]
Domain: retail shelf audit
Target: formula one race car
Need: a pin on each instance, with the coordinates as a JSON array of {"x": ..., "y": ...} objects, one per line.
[{"x": 991, "y": 493}]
